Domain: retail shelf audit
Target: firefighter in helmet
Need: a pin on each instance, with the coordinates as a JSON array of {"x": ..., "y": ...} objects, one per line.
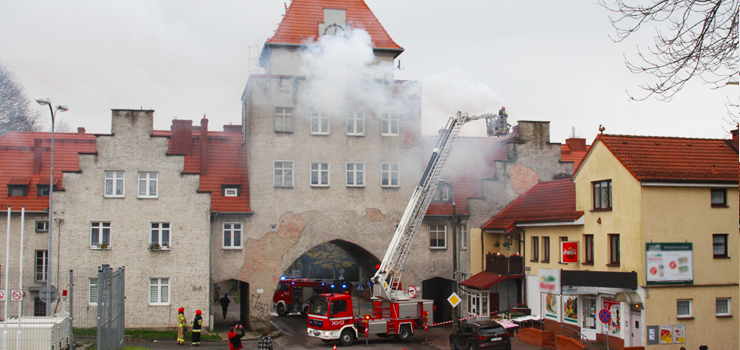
[
  {"x": 182, "y": 326},
  {"x": 197, "y": 323}
]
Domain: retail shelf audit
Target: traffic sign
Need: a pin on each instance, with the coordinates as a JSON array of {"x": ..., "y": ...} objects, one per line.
[
  {"x": 454, "y": 300},
  {"x": 2, "y": 295},
  {"x": 48, "y": 294},
  {"x": 412, "y": 291},
  {"x": 605, "y": 316},
  {"x": 16, "y": 295},
  {"x": 359, "y": 287}
]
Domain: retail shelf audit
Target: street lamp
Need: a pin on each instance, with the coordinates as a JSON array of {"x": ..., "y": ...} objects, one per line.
[
  {"x": 455, "y": 316},
  {"x": 63, "y": 108}
]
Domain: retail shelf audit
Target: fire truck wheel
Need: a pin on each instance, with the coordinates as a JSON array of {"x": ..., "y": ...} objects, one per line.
[
  {"x": 452, "y": 345},
  {"x": 281, "y": 310},
  {"x": 404, "y": 333},
  {"x": 347, "y": 338}
]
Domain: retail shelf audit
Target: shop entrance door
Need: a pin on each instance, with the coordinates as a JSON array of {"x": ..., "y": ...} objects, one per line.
[
  {"x": 635, "y": 329},
  {"x": 588, "y": 327}
]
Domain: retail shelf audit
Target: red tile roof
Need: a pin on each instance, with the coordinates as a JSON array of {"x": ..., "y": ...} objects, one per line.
[
  {"x": 301, "y": 22},
  {"x": 674, "y": 159},
  {"x": 485, "y": 279},
  {"x": 17, "y": 164},
  {"x": 547, "y": 201},
  {"x": 574, "y": 150}
]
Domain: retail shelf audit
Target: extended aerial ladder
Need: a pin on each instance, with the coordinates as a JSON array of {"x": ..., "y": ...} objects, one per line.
[{"x": 388, "y": 276}]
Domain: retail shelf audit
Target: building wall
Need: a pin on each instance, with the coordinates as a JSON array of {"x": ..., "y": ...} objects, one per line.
[{"x": 287, "y": 60}]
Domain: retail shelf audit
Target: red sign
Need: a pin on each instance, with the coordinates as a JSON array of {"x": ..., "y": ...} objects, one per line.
[{"x": 570, "y": 252}]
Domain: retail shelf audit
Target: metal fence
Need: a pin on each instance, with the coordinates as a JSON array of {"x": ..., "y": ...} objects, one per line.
[{"x": 111, "y": 308}]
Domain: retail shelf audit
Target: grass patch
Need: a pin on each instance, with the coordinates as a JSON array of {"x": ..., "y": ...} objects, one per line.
[{"x": 150, "y": 334}]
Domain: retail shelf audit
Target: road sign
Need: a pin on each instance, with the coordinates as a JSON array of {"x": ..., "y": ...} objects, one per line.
[
  {"x": 605, "y": 316},
  {"x": 341, "y": 277},
  {"x": 16, "y": 295},
  {"x": 2, "y": 295},
  {"x": 454, "y": 300},
  {"x": 412, "y": 291},
  {"x": 359, "y": 287},
  {"x": 48, "y": 294}
]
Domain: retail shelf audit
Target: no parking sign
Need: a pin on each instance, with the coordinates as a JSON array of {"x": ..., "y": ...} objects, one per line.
[
  {"x": 16, "y": 295},
  {"x": 2, "y": 295}
]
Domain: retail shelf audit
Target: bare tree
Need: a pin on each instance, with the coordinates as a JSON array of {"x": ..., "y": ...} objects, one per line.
[
  {"x": 701, "y": 40},
  {"x": 15, "y": 108}
]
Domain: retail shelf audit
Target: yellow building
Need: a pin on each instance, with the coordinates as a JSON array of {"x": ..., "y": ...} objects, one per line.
[{"x": 649, "y": 225}]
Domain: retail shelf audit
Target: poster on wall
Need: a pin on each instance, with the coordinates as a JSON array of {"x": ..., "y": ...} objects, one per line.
[
  {"x": 669, "y": 263},
  {"x": 569, "y": 252},
  {"x": 551, "y": 307},
  {"x": 549, "y": 280},
  {"x": 666, "y": 334},
  {"x": 679, "y": 333},
  {"x": 615, "y": 324},
  {"x": 570, "y": 309},
  {"x": 652, "y": 335}
]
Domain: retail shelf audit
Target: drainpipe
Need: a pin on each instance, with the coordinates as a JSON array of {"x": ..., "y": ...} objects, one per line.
[{"x": 524, "y": 265}]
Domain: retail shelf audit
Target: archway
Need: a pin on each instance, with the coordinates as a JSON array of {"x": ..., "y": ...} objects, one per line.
[{"x": 230, "y": 304}]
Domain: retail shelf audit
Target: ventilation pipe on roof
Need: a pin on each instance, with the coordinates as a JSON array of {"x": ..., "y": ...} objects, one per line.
[
  {"x": 81, "y": 130},
  {"x": 36, "y": 156},
  {"x": 734, "y": 137},
  {"x": 203, "y": 146}
]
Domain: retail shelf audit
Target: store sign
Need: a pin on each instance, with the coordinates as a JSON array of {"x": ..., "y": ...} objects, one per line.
[
  {"x": 669, "y": 263},
  {"x": 580, "y": 290},
  {"x": 549, "y": 280},
  {"x": 569, "y": 251}
]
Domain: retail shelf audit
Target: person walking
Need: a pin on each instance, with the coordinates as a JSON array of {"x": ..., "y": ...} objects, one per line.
[
  {"x": 235, "y": 339},
  {"x": 265, "y": 342},
  {"x": 197, "y": 324},
  {"x": 182, "y": 326},
  {"x": 224, "y": 304}
]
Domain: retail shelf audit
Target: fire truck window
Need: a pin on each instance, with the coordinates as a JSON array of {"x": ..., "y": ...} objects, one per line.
[
  {"x": 279, "y": 287},
  {"x": 338, "y": 306},
  {"x": 287, "y": 287}
]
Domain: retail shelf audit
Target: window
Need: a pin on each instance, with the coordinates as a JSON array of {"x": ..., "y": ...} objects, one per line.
[
  {"x": 160, "y": 234},
  {"x": 603, "y": 195},
  {"x": 147, "y": 184},
  {"x": 159, "y": 291},
  {"x": 437, "y": 236},
  {"x": 42, "y": 226},
  {"x": 319, "y": 123},
  {"x": 100, "y": 234},
  {"x": 355, "y": 123},
  {"x": 719, "y": 197},
  {"x": 545, "y": 249},
  {"x": 614, "y": 250},
  {"x": 230, "y": 191},
  {"x": 589, "y": 251},
  {"x": 39, "y": 307},
  {"x": 462, "y": 233},
  {"x": 535, "y": 248},
  {"x": 442, "y": 194},
  {"x": 42, "y": 190},
  {"x": 723, "y": 306},
  {"x": 389, "y": 174},
  {"x": 42, "y": 265},
  {"x": 114, "y": 183},
  {"x": 92, "y": 287},
  {"x": 683, "y": 308},
  {"x": 283, "y": 119},
  {"x": 320, "y": 174},
  {"x": 355, "y": 174},
  {"x": 284, "y": 174},
  {"x": 17, "y": 190},
  {"x": 560, "y": 248},
  {"x": 719, "y": 245},
  {"x": 389, "y": 124},
  {"x": 232, "y": 235}
]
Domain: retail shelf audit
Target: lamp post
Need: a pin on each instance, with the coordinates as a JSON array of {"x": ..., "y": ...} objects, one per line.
[
  {"x": 455, "y": 316},
  {"x": 63, "y": 108}
]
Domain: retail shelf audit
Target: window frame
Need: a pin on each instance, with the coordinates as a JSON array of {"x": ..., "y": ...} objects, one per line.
[
  {"x": 159, "y": 231},
  {"x": 561, "y": 239},
  {"x": 390, "y": 173},
  {"x": 44, "y": 229},
  {"x": 230, "y": 191},
  {"x": 588, "y": 253},
  {"x": 92, "y": 290},
  {"x": 282, "y": 114},
  {"x": 442, "y": 194},
  {"x": 159, "y": 285},
  {"x": 319, "y": 174},
  {"x": 689, "y": 302},
  {"x": 147, "y": 181},
  {"x": 101, "y": 226},
  {"x": 722, "y": 204},
  {"x": 596, "y": 195},
  {"x": 23, "y": 188},
  {"x": 283, "y": 170},
  {"x": 114, "y": 183},
  {"x": 462, "y": 231},
  {"x": 354, "y": 173},
  {"x": 535, "y": 249},
  {"x": 232, "y": 230},
  {"x": 40, "y": 189},
  {"x": 727, "y": 304},
  {"x": 725, "y": 243},
  {"x": 357, "y": 119},
  {"x": 545, "y": 249},
  {"x": 321, "y": 119},
  {"x": 387, "y": 121},
  {"x": 612, "y": 261},
  {"x": 437, "y": 231},
  {"x": 44, "y": 267}
]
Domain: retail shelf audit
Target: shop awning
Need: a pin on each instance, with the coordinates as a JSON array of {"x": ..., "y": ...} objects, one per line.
[
  {"x": 631, "y": 298},
  {"x": 485, "y": 279}
]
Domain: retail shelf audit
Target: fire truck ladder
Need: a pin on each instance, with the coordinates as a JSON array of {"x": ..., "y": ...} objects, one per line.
[{"x": 388, "y": 277}]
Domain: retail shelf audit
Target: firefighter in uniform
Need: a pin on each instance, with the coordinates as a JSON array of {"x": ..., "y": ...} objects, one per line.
[
  {"x": 197, "y": 323},
  {"x": 182, "y": 326}
]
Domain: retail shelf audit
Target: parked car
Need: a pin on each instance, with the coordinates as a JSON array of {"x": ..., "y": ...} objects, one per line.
[{"x": 486, "y": 335}]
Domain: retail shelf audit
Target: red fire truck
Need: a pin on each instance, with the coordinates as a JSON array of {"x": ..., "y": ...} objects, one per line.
[
  {"x": 395, "y": 312},
  {"x": 292, "y": 294}
]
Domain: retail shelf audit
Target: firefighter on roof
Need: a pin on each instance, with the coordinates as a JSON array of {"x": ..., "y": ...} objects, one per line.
[
  {"x": 182, "y": 326},
  {"x": 197, "y": 323}
]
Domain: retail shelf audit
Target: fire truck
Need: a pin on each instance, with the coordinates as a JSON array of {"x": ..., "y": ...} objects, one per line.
[
  {"x": 292, "y": 294},
  {"x": 395, "y": 312}
]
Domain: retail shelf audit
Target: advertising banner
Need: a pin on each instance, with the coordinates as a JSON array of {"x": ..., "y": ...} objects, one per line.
[
  {"x": 669, "y": 263},
  {"x": 549, "y": 280},
  {"x": 666, "y": 334},
  {"x": 615, "y": 323},
  {"x": 569, "y": 251},
  {"x": 551, "y": 307},
  {"x": 570, "y": 309},
  {"x": 679, "y": 333}
]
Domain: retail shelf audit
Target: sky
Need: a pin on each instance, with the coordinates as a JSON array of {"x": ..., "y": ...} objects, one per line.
[{"x": 543, "y": 60}]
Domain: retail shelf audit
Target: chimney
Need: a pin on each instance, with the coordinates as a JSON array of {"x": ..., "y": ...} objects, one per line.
[
  {"x": 576, "y": 144},
  {"x": 233, "y": 128},
  {"x": 182, "y": 139},
  {"x": 734, "y": 137},
  {"x": 81, "y": 131},
  {"x": 36, "y": 156},
  {"x": 203, "y": 146}
]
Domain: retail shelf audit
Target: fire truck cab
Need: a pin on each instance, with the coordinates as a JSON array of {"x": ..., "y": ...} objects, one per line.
[{"x": 292, "y": 294}]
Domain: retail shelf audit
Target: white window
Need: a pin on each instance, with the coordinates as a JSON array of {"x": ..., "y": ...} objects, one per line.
[
  {"x": 100, "y": 234},
  {"x": 160, "y": 234},
  {"x": 355, "y": 123},
  {"x": 92, "y": 288},
  {"x": 283, "y": 174},
  {"x": 159, "y": 291},
  {"x": 389, "y": 124},
  {"x": 319, "y": 123},
  {"x": 114, "y": 183},
  {"x": 320, "y": 174},
  {"x": 355, "y": 174},
  {"x": 147, "y": 184},
  {"x": 442, "y": 194},
  {"x": 42, "y": 265},
  {"x": 389, "y": 174},
  {"x": 283, "y": 119},
  {"x": 42, "y": 226},
  {"x": 683, "y": 308},
  {"x": 231, "y": 191},
  {"x": 462, "y": 232},
  {"x": 723, "y": 306},
  {"x": 437, "y": 236},
  {"x": 232, "y": 235}
]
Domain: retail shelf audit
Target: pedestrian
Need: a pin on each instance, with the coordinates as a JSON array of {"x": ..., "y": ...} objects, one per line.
[
  {"x": 182, "y": 326},
  {"x": 224, "y": 304},
  {"x": 197, "y": 324},
  {"x": 265, "y": 342},
  {"x": 703, "y": 347},
  {"x": 235, "y": 340}
]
